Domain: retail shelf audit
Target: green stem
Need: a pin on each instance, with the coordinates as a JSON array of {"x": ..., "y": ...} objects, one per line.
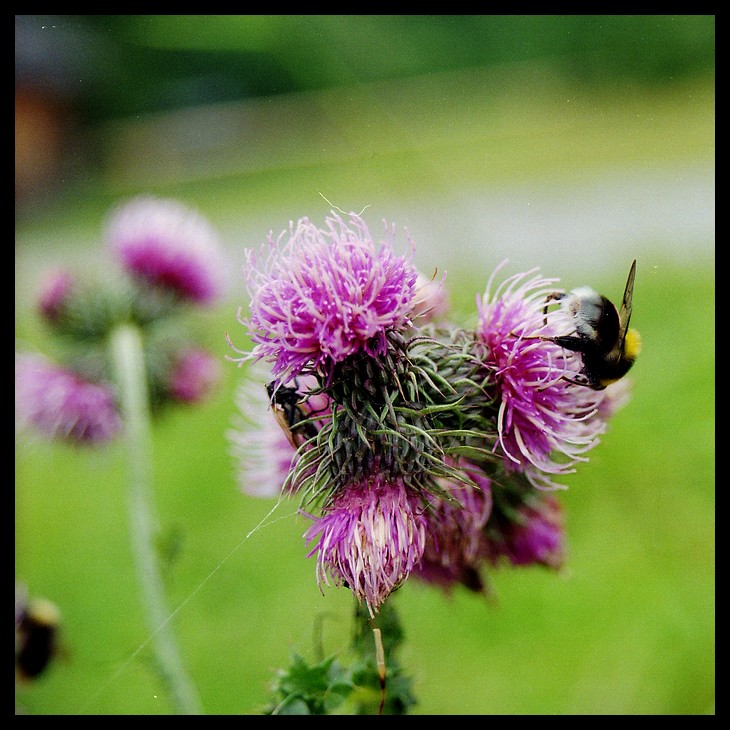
[{"x": 128, "y": 358}]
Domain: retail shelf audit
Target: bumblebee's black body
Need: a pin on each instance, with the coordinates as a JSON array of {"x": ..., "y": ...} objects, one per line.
[
  {"x": 36, "y": 639},
  {"x": 602, "y": 335},
  {"x": 285, "y": 402}
]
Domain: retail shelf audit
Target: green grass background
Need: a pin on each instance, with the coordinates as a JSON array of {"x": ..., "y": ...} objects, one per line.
[{"x": 627, "y": 629}]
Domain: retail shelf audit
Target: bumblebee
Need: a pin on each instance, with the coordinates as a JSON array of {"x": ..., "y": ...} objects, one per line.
[
  {"x": 602, "y": 335},
  {"x": 285, "y": 402},
  {"x": 36, "y": 637}
]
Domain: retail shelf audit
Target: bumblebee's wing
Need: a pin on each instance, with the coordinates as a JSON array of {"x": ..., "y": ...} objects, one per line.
[
  {"x": 625, "y": 313},
  {"x": 283, "y": 421}
]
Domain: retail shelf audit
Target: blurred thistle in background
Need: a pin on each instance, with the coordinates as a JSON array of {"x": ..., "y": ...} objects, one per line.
[
  {"x": 169, "y": 247},
  {"x": 170, "y": 256},
  {"x": 59, "y": 403},
  {"x": 128, "y": 358}
]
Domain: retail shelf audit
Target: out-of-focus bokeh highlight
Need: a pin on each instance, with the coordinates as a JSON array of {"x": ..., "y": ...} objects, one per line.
[{"x": 575, "y": 143}]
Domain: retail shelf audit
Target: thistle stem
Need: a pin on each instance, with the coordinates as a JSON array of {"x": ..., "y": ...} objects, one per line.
[{"x": 127, "y": 355}]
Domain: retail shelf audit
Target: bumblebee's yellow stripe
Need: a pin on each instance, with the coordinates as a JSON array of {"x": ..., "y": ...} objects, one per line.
[
  {"x": 44, "y": 612},
  {"x": 632, "y": 345}
]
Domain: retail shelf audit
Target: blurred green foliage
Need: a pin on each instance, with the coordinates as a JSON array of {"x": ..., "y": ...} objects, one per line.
[{"x": 165, "y": 62}]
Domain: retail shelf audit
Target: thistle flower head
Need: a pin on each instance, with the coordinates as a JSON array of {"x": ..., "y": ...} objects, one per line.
[
  {"x": 54, "y": 294},
  {"x": 535, "y": 535},
  {"x": 60, "y": 404},
  {"x": 165, "y": 244},
  {"x": 370, "y": 538},
  {"x": 456, "y": 544},
  {"x": 194, "y": 373},
  {"x": 545, "y": 422},
  {"x": 325, "y": 294}
]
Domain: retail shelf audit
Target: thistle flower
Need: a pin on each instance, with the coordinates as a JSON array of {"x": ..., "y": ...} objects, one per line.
[
  {"x": 370, "y": 539},
  {"x": 54, "y": 293},
  {"x": 545, "y": 422},
  {"x": 535, "y": 535},
  {"x": 60, "y": 404},
  {"x": 165, "y": 244},
  {"x": 194, "y": 373},
  {"x": 323, "y": 295},
  {"x": 456, "y": 544}
]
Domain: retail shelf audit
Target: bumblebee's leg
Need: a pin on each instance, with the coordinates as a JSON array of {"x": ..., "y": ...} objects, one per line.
[
  {"x": 569, "y": 342},
  {"x": 578, "y": 380},
  {"x": 545, "y": 338},
  {"x": 556, "y": 296}
]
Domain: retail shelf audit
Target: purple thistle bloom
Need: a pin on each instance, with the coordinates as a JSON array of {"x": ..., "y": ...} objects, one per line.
[
  {"x": 371, "y": 538},
  {"x": 54, "y": 294},
  {"x": 545, "y": 423},
  {"x": 325, "y": 295},
  {"x": 536, "y": 536},
  {"x": 456, "y": 544},
  {"x": 168, "y": 245},
  {"x": 195, "y": 372},
  {"x": 60, "y": 404}
]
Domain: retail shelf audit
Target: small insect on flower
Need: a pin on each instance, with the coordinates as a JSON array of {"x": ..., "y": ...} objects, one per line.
[
  {"x": 602, "y": 333},
  {"x": 285, "y": 402},
  {"x": 36, "y": 637}
]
